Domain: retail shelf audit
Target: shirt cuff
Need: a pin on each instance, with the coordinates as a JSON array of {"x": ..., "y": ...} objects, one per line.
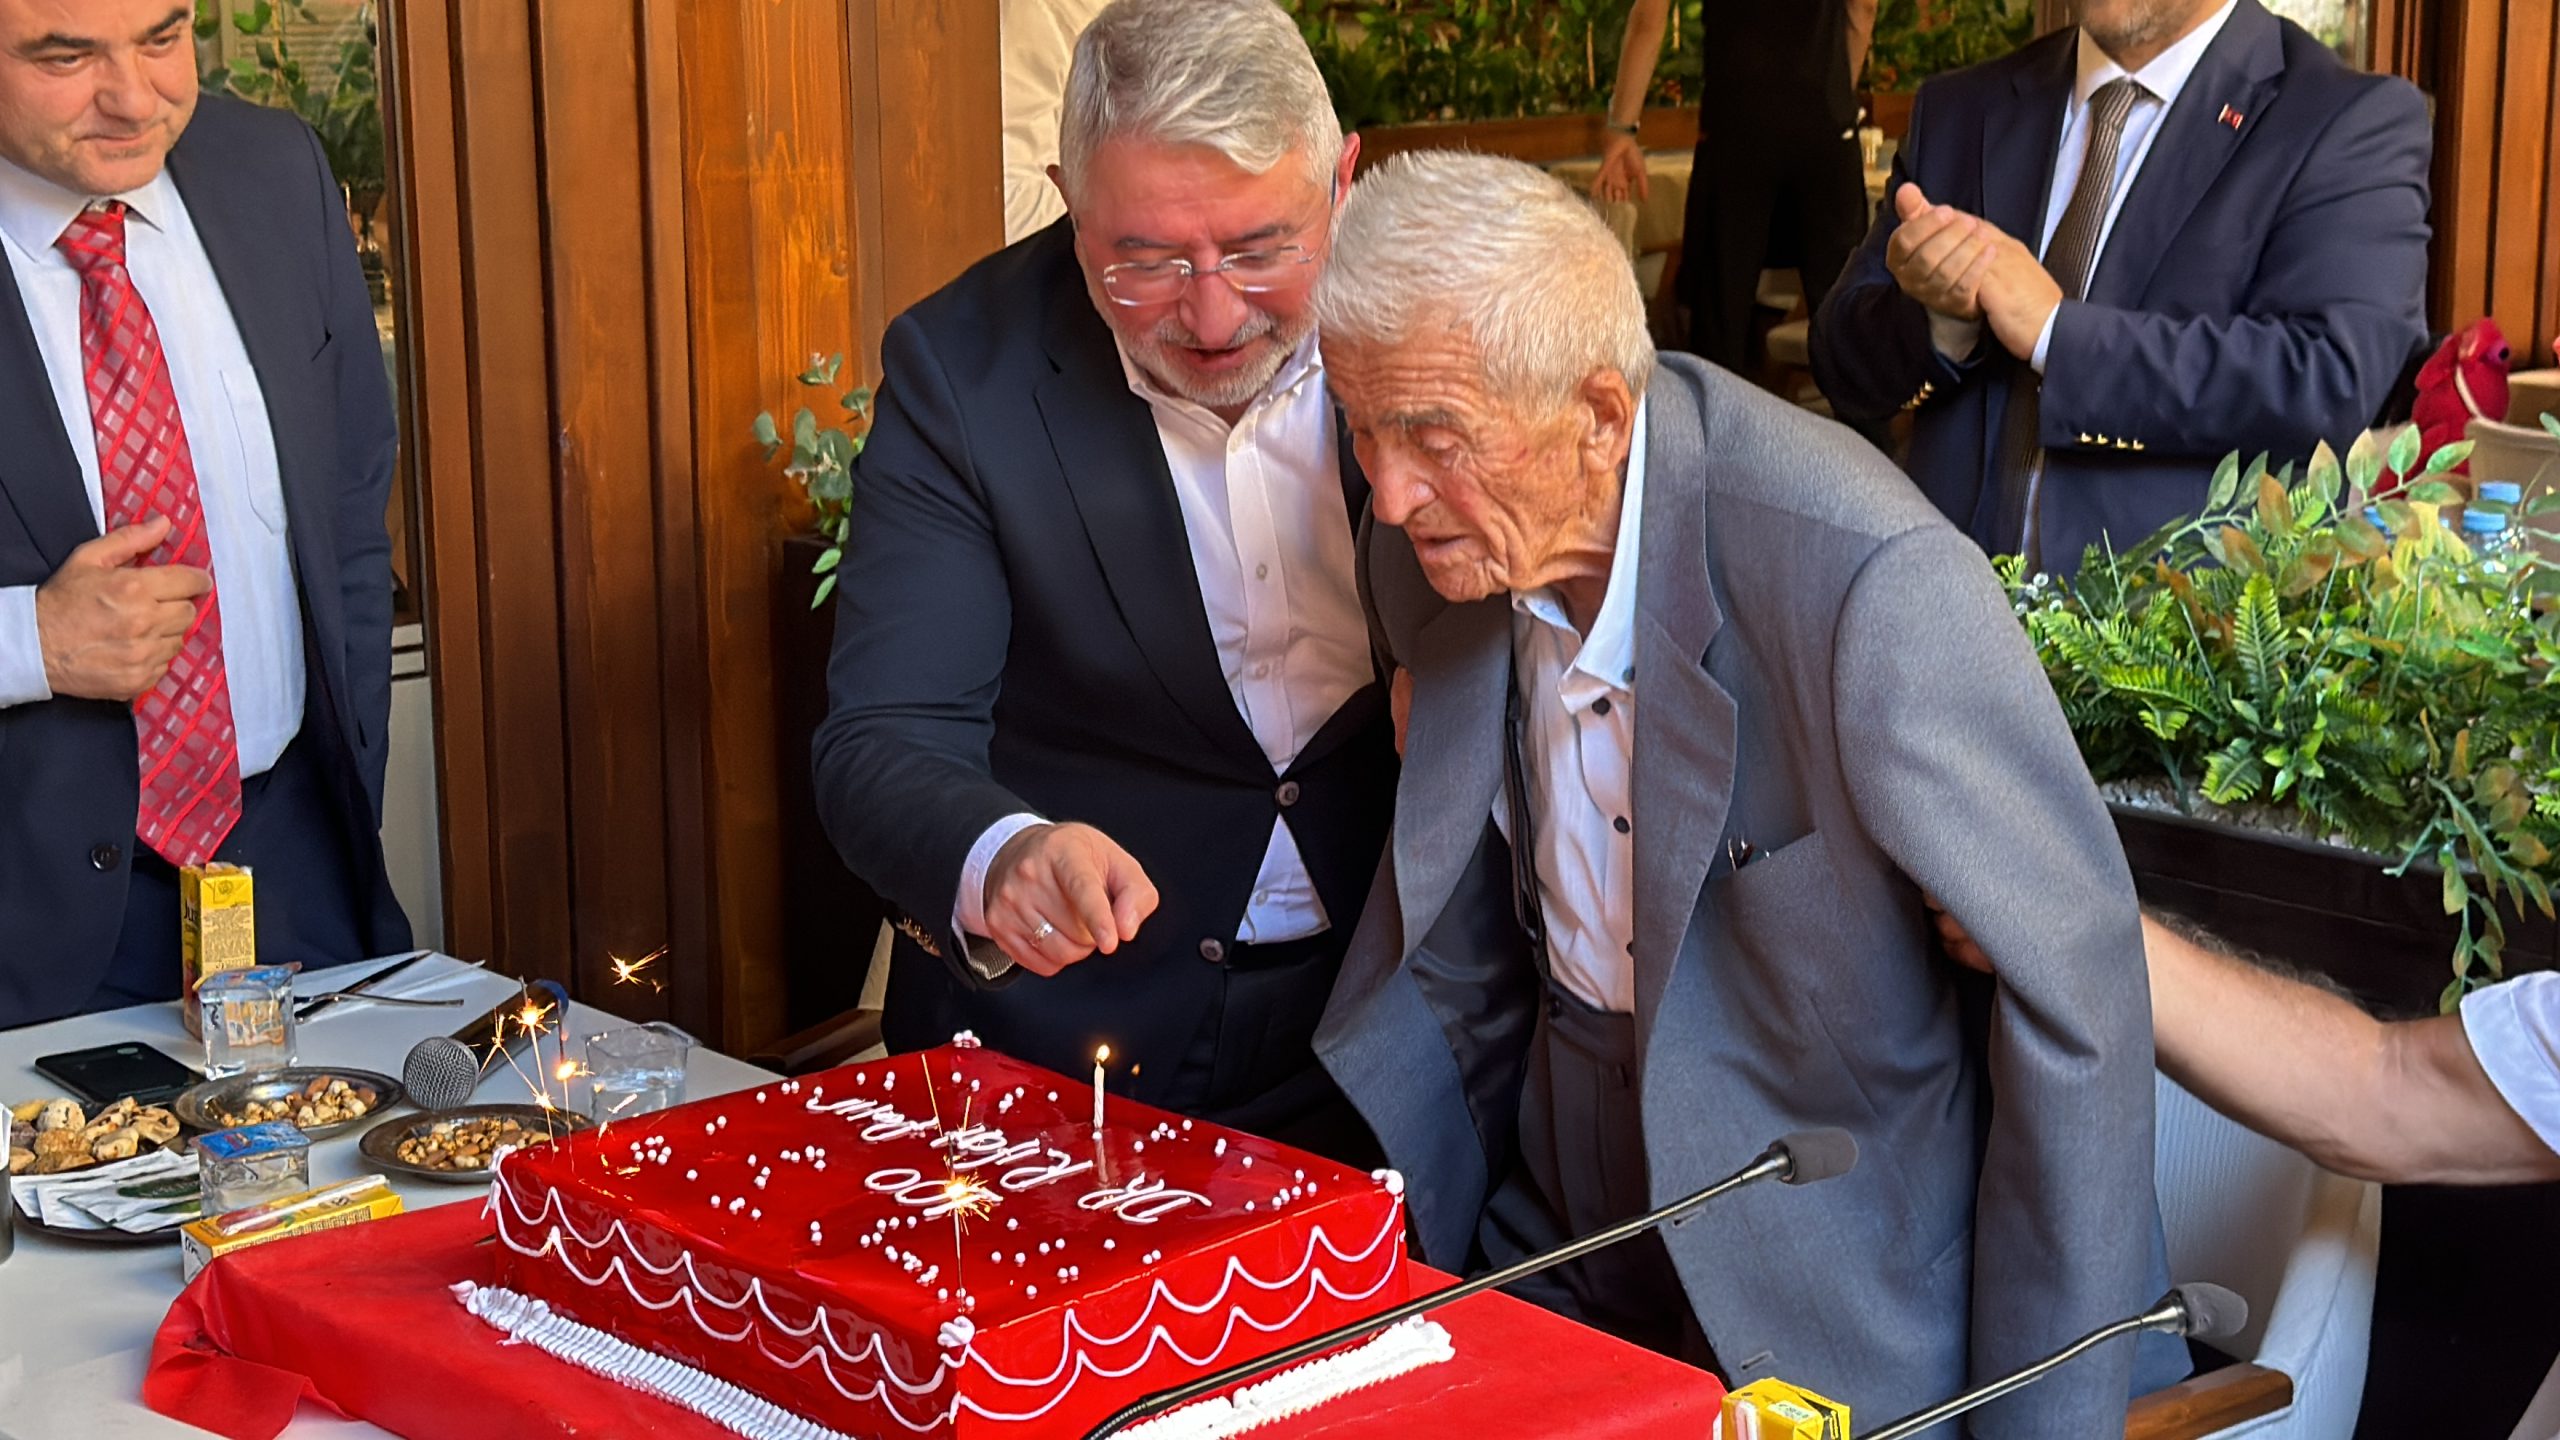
[
  {"x": 969, "y": 907},
  {"x": 1953, "y": 338},
  {"x": 2044, "y": 340},
  {"x": 2514, "y": 1030},
  {"x": 22, "y": 679}
]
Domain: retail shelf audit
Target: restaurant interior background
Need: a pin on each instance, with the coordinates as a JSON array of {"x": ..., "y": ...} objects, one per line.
[{"x": 607, "y": 235}]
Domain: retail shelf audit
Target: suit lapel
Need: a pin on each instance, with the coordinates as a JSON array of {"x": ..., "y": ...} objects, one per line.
[
  {"x": 1684, "y": 760},
  {"x": 1114, "y": 464},
  {"x": 1452, "y": 755},
  {"x": 2238, "y": 74},
  {"x": 39, "y": 473},
  {"x": 2020, "y": 134}
]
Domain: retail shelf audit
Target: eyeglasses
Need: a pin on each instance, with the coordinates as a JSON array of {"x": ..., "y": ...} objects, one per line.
[{"x": 1254, "y": 272}]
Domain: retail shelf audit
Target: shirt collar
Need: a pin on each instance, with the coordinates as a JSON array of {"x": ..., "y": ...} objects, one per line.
[
  {"x": 1608, "y": 651},
  {"x": 2165, "y": 76},
  {"x": 34, "y": 211},
  {"x": 1303, "y": 362}
]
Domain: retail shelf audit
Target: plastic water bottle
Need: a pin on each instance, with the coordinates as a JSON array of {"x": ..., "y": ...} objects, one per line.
[{"x": 2487, "y": 533}]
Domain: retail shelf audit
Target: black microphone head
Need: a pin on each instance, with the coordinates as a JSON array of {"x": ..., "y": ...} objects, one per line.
[
  {"x": 2211, "y": 1310},
  {"x": 1818, "y": 1155}
]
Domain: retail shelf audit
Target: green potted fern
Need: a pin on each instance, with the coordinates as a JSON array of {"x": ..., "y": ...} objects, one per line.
[{"x": 2319, "y": 717}]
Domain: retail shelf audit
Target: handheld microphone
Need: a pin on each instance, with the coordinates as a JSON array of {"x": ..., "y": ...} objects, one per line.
[
  {"x": 442, "y": 1071},
  {"x": 1799, "y": 1159},
  {"x": 2196, "y": 1309}
]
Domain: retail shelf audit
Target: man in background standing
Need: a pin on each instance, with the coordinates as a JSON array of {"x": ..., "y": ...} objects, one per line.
[
  {"x": 195, "y": 578},
  {"x": 2180, "y": 230},
  {"x": 1777, "y": 173}
]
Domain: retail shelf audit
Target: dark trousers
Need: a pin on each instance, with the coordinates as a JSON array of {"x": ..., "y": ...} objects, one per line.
[
  {"x": 1251, "y": 1066},
  {"x": 1758, "y": 195},
  {"x": 306, "y": 886},
  {"x": 1581, "y": 1167}
]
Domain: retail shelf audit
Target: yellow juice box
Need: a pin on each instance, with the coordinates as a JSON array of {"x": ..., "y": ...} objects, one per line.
[
  {"x": 1787, "y": 1412},
  {"x": 353, "y": 1202},
  {"x": 217, "y": 931}
]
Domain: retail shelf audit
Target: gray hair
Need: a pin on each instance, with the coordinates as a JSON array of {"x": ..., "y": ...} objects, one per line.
[
  {"x": 1502, "y": 250},
  {"x": 1234, "y": 75}
]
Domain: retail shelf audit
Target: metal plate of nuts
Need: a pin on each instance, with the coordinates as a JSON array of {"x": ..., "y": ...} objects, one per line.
[
  {"x": 317, "y": 1100},
  {"x": 456, "y": 1146}
]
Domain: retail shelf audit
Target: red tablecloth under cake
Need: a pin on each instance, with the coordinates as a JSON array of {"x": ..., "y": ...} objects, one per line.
[{"x": 362, "y": 1322}]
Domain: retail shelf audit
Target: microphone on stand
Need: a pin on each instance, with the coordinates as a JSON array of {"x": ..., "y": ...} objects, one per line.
[
  {"x": 2194, "y": 1309},
  {"x": 1798, "y": 1159},
  {"x": 442, "y": 1071}
]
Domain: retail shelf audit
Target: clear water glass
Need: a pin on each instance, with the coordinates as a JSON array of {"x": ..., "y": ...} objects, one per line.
[
  {"x": 248, "y": 1021},
  {"x": 635, "y": 1071}
]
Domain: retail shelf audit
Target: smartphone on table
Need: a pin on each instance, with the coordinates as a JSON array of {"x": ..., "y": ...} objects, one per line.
[{"x": 104, "y": 1074}]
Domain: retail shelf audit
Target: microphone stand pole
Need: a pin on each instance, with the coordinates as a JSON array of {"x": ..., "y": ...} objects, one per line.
[
  {"x": 2169, "y": 1313},
  {"x": 1774, "y": 1164}
]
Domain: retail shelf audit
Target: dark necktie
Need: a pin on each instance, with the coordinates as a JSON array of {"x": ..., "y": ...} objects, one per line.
[
  {"x": 2070, "y": 257},
  {"x": 190, "y": 759}
]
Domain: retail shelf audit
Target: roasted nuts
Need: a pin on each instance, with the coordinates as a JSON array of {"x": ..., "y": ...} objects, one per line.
[
  {"x": 467, "y": 1144},
  {"x": 326, "y": 1101}
]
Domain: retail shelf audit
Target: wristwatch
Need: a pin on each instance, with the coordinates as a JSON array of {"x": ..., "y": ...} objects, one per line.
[{"x": 1630, "y": 131}]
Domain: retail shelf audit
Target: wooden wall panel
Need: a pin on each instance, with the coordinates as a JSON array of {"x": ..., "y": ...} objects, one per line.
[
  {"x": 628, "y": 222},
  {"x": 2497, "y": 143}
]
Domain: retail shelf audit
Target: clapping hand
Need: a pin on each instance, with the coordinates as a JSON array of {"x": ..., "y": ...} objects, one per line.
[
  {"x": 1966, "y": 268},
  {"x": 1059, "y": 893}
]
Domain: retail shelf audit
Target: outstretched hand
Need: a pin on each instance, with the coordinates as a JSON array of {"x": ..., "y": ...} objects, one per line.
[{"x": 1057, "y": 894}]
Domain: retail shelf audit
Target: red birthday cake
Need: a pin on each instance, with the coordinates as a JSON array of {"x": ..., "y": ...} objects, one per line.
[{"x": 938, "y": 1244}]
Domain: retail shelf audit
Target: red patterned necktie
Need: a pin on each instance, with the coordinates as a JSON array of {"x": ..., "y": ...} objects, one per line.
[{"x": 190, "y": 756}]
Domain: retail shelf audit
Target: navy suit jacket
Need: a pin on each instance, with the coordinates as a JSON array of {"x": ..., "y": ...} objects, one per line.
[
  {"x": 1020, "y": 628},
  {"x": 2262, "y": 290},
  {"x": 260, "y": 192}
]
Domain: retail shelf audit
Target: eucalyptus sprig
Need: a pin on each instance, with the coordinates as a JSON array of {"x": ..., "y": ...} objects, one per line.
[
  {"x": 2363, "y": 667},
  {"x": 822, "y": 462}
]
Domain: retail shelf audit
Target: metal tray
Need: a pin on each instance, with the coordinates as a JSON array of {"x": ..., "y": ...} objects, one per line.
[
  {"x": 381, "y": 1144},
  {"x": 201, "y": 1107}
]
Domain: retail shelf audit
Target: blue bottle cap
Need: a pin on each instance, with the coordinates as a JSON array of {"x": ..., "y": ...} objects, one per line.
[
  {"x": 2501, "y": 492},
  {"x": 2483, "y": 522}
]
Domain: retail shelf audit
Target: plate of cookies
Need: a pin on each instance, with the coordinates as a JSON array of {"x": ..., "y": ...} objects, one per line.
[{"x": 58, "y": 1137}]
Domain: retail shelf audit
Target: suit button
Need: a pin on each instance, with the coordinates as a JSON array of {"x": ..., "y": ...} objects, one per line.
[
  {"x": 1213, "y": 950},
  {"x": 1287, "y": 794},
  {"x": 106, "y": 857}
]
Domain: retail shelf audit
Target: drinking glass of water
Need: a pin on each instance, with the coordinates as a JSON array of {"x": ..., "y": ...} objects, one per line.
[{"x": 637, "y": 1070}]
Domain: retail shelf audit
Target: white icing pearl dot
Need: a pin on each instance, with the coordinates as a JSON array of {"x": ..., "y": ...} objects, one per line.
[
  {"x": 1248, "y": 1162},
  {"x": 755, "y": 1214},
  {"x": 1031, "y": 1291},
  {"x": 715, "y": 1202},
  {"x": 943, "y": 1294},
  {"x": 1221, "y": 1147},
  {"x": 1019, "y": 1257},
  {"x": 1012, "y": 1224},
  {"x": 691, "y": 1175},
  {"x": 751, "y": 1163},
  {"x": 1139, "y": 1144},
  {"x": 1044, "y": 1247},
  {"x": 1053, "y": 1097},
  {"x": 1108, "y": 1243}
]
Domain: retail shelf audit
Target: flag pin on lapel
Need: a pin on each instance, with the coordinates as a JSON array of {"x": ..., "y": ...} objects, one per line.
[{"x": 2231, "y": 117}]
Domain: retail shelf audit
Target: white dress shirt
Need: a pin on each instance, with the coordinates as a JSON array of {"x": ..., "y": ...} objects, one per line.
[
  {"x": 2162, "y": 81},
  {"x": 1271, "y": 543},
  {"x": 1578, "y": 745},
  {"x": 2514, "y": 1028},
  {"x": 225, "y": 414},
  {"x": 1037, "y": 42}
]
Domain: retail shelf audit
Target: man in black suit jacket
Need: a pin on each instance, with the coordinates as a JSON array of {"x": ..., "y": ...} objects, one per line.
[
  {"x": 254, "y": 519},
  {"x": 2248, "y": 272},
  {"x": 1105, "y": 726}
]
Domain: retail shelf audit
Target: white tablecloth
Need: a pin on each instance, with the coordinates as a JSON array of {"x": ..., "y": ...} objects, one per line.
[{"x": 76, "y": 1319}]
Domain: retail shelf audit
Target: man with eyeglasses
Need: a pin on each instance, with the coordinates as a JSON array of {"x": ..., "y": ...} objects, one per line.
[{"x": 1105, "y": 728}]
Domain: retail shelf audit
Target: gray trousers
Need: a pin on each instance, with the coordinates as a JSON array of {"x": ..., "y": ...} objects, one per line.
[{"x": 1581, "y": 1167}]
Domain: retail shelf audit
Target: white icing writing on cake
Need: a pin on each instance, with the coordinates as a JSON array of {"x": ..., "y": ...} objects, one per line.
[{"x": 1142, "y": 1201}]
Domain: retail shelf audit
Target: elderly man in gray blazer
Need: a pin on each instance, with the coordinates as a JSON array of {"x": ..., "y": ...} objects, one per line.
[{"x": 1705, "y": 698}]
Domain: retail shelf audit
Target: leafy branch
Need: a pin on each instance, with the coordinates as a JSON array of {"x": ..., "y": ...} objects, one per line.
[
  {"x": 2303, "y": 645},
  {"x": 822, "y": 462}
]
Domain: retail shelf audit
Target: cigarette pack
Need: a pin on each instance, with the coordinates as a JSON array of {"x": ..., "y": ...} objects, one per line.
[
  {"x": 350, "y": 1203},
  {"x": 1786, "y": 1412},
  {"x": 217, "y": 930}
]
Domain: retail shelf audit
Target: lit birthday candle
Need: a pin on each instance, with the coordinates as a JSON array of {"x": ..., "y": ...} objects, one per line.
[{"x": 1101, "y": 1058}]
